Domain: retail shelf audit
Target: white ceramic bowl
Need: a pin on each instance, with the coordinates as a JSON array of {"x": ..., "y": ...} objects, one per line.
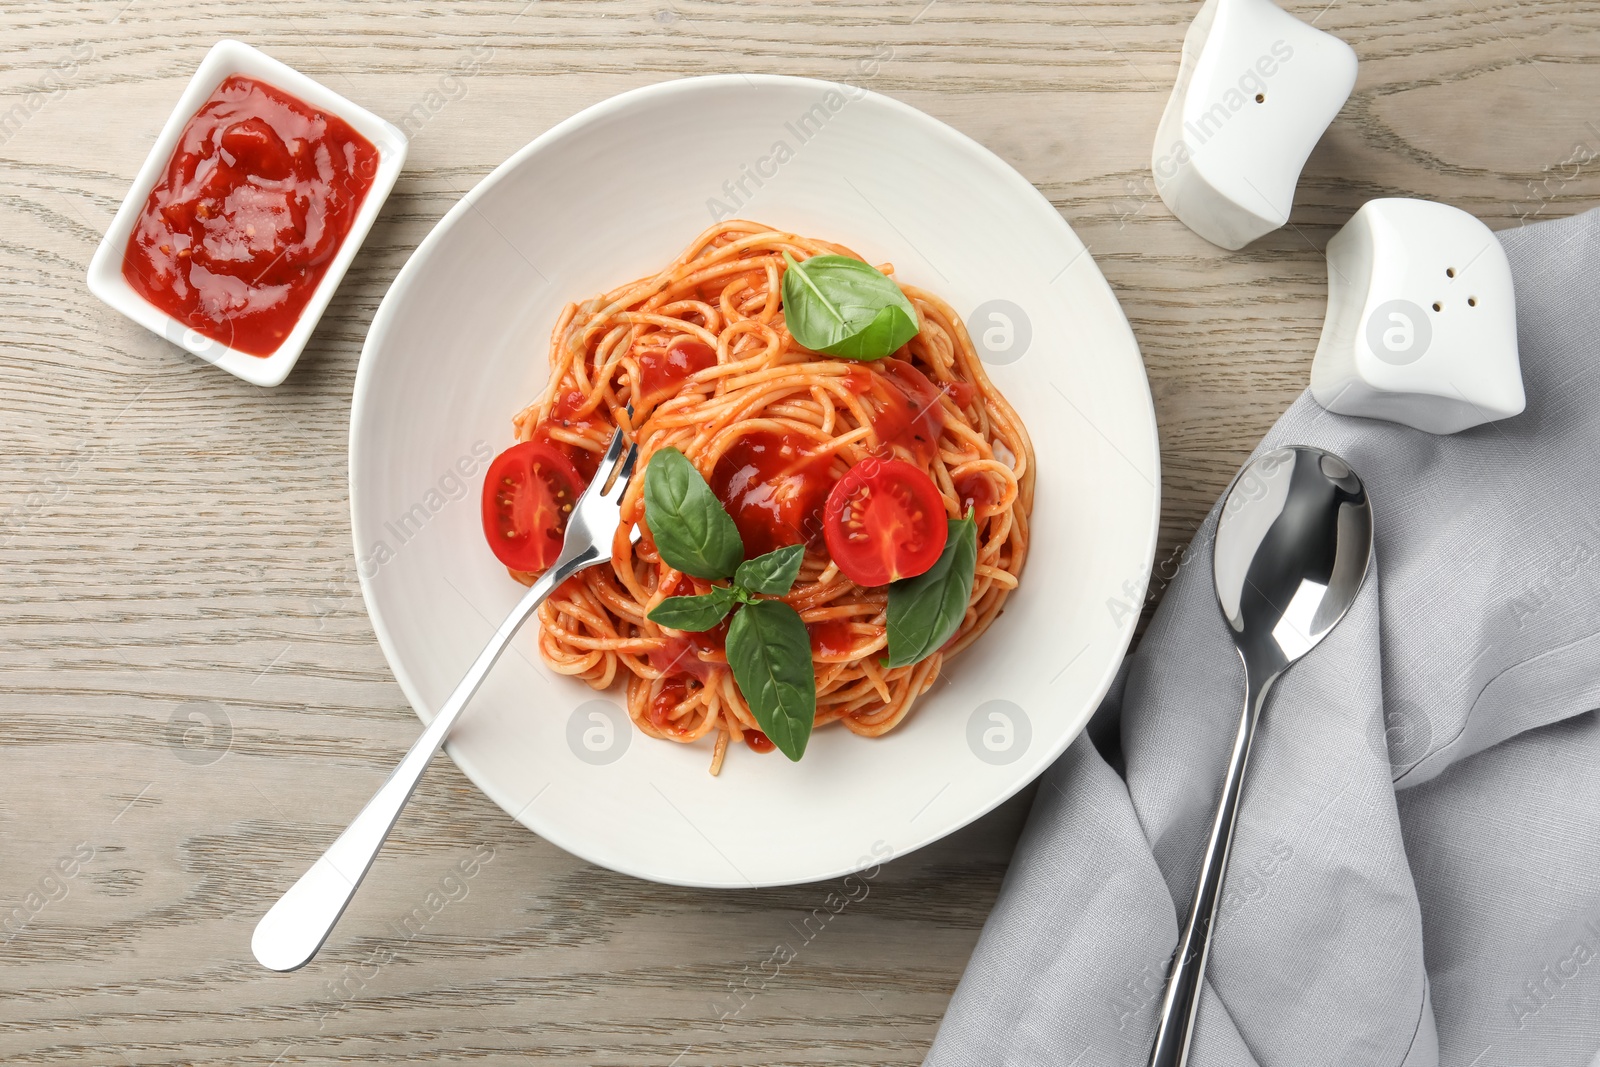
[
  {"x": 225, "y": 59},
  {"x": 459, "y": 345}
]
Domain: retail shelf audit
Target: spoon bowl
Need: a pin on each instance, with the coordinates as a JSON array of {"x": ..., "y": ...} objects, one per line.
[
  {"x": 1291, "y": 552},
  {"x": 1292, "y": 546}
]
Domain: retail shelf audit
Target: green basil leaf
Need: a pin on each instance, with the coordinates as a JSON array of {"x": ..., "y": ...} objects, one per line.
[
  {"x": 845, "y": 307},
  {"x": 773, "y": 573},
  {"x": 694, "y": 613},
  {"x": 770, "y": 653},
  {"x": 888, "y": 330},
  {"x": 926, "y": 611},
  {"x": 686, "y": 520}
]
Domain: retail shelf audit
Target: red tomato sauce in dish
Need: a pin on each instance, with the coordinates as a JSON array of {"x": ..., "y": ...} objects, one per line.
[
  {"x": 774, "y": 488},
  {"x": 832, "y": 638},
  {"x": 662, "y": 371},
  {"x": 907, "y": 411},
  {"x": 565, "y": 417},
  {"x": 259, "y": 194},
  {"x": 681, "y": 656}
]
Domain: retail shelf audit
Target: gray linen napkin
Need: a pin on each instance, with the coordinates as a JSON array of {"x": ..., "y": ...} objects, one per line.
[{"x": 1414, "y": 877}]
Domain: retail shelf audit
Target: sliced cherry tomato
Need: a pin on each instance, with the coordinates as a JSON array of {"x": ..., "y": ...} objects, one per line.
[
  {"x": 527, "y": 496},
  {"x": 884, "y": 521}
]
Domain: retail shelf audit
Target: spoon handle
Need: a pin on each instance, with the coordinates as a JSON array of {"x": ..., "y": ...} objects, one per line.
[
  {"x": 297, "y": 925},
  {"x": 1175, "y": 1023}
]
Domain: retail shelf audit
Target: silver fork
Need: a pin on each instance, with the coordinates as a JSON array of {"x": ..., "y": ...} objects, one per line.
[{"x": 289, "y": 935}]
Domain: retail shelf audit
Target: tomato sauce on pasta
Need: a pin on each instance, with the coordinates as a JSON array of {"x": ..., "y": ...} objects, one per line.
[{"x": 701, "y": 353}]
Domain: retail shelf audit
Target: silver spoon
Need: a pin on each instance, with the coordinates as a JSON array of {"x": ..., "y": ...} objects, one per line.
[{"x": 1291, "y": 551}]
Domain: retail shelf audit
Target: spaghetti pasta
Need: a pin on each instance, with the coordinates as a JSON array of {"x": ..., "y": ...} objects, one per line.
[{"x": 701, "y": 353}]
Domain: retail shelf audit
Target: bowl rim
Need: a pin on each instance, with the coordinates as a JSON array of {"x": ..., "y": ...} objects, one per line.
[
  {"x": 226, "y": 58},
  {"x": 395, "y": 298}
]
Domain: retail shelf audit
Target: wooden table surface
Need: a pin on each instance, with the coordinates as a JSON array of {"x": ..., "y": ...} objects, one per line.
[{"x": 192, "y": 701}]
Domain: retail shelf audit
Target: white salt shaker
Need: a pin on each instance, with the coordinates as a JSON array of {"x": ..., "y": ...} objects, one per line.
[
  {"x": 1422, "y": 320},
  {"x": 1256, "y": 90}
]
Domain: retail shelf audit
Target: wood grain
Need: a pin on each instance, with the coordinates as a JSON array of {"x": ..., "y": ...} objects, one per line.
[{"x": 176, "y": 552}]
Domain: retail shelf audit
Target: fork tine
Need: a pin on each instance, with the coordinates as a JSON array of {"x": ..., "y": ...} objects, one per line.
[
  {"x": 608, "y": 462},
  {"x": 624, "y": 473},
  {"x": 605, "y": 476}
]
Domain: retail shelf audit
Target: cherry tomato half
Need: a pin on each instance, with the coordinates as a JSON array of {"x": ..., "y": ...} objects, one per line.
[
  {"x": 884, "y": 521},
  {"x": 527, "y": 496}
]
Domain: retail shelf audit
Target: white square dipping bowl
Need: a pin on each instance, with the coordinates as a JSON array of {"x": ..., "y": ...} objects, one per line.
[{"x": 226, "y": 59}]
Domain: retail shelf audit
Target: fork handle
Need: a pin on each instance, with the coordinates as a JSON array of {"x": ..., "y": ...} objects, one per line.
[
  {"x": 1181, "y": 998},
  {"x": 289, "y": 934}
]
